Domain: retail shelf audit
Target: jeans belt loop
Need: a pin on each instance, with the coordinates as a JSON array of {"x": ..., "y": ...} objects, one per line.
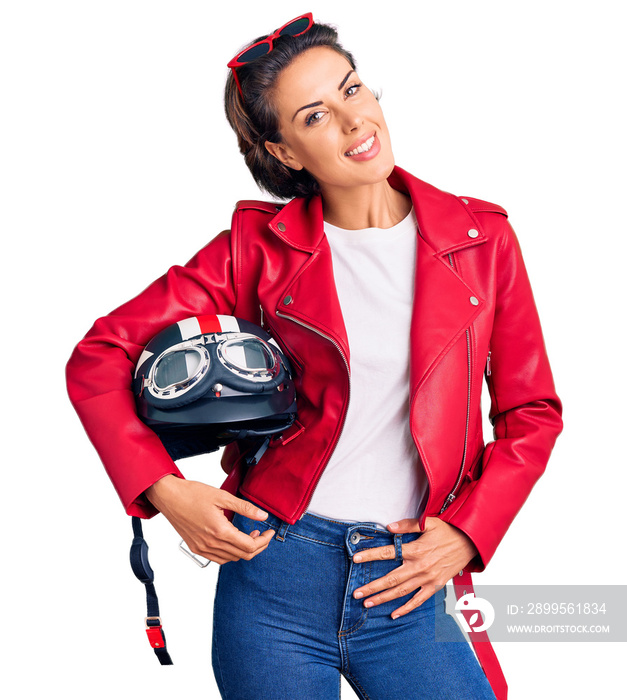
[{"x": 282, "y": 531}]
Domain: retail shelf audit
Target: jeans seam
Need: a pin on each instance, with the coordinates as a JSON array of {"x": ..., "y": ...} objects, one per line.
[
  {"x": 312, "y": 539},
  {"x": 352, "y": 678},
  {"x": 223, "y": 691},
  {"x": 357, "y": 686},
  {"x": 357, "y": 626},
  {"x": 364, "y": 615},
  {"x": 330, "y": 520}
]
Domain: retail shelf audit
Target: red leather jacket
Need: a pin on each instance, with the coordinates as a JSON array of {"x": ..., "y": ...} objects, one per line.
[{"x": 473, "y": 314}]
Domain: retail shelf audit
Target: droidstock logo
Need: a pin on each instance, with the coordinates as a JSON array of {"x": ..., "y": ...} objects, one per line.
[{"x": 469, "y": 603}]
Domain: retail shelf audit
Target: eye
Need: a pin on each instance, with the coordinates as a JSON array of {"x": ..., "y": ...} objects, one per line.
[
  {"x": 313, "y": 118},
  {"x": 352, "y": 89}
]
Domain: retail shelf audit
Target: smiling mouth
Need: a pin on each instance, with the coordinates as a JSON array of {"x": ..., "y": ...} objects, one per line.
[{"x": 362, "y": 148}]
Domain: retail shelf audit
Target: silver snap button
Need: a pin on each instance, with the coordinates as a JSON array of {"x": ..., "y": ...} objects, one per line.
[
  {"x": 461, "y": 573},
  {"x": 474, "y": 301},
  {"x": 288, "y": 300},
  {"x": 473, "y": 233},
  {"x": 464, "y": 200},
  {"x": 355, "y": 537},
  {"x": 281, "y": 226}
]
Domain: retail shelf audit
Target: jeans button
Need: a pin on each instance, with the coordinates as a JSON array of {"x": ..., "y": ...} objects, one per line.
[{"x": 355, "y": 537}]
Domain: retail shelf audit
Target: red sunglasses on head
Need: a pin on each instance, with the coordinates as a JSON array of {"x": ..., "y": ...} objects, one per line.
[{"x": 294, "y": 27}]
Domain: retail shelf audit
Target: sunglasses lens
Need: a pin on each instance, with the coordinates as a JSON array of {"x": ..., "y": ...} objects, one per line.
[
  {"x": 254, "y": 52},
  {"x": 297, "y": 27}
]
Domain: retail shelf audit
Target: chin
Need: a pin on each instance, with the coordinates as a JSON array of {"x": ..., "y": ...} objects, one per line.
[{"x": 382, "y": 170}]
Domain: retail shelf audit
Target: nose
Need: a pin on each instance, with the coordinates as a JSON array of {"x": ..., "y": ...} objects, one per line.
[{"x": 351, "y": 119}]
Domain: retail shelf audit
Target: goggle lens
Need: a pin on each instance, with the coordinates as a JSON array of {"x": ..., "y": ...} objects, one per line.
[
  {"x": 177, "y": 368},
  {"x": 249, "y": 355}
]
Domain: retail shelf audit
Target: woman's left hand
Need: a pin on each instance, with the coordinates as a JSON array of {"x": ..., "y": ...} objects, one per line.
[{"x": 440, "y": 553}]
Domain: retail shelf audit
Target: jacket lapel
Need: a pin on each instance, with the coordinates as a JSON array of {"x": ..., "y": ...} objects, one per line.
[
  {"x": 444, "y": 305},
  {"x": 310, "y": 297}
]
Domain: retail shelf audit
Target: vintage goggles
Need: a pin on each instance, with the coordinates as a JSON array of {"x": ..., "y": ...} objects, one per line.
[
  {"x": 213, "y": 364},
  {"x": 294, "y": 27}
]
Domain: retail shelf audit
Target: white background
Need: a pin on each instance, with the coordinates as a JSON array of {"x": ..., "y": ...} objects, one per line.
[{"x": 116, "y": 162}]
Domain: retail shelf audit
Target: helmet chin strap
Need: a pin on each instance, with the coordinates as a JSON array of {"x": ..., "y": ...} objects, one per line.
[
  {"x": 253, "y": 459},
  {"x": 142, "y": 569}
]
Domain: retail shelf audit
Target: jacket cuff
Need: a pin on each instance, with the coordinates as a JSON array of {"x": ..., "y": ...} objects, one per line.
[
  {"x": 140, "y": 506},
  {"x": 454, "y": 515}
]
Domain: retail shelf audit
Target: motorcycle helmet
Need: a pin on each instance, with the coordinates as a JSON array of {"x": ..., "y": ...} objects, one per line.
[{"x": 206, "y": 381}]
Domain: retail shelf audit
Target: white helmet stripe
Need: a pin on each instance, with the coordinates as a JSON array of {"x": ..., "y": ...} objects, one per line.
[
  {"x": 146, "y": 354},
  {"x": 189, "y": 327},
  {"x": 228, "y": 323}
]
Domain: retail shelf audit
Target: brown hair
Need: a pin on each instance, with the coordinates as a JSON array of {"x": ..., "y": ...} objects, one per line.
[{"x": 255, "y": 120}]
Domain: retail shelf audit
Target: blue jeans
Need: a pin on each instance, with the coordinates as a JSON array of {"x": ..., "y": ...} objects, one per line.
[{"x": 286, "y": 624}]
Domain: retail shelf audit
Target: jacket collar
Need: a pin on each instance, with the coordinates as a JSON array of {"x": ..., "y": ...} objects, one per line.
[
  {"x": 300, "y": 223},
  {"x": 444, "y": 305},
  {"x": 443, "y": 221}
]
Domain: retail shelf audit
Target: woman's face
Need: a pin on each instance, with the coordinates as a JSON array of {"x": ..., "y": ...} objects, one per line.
[{"x": 330, "y": 123}]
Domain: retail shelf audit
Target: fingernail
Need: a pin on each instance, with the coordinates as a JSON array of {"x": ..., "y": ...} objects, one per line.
[
  {"x": 395, "y": 617},
  {"x": 368, "y": 604},
  {"x": 262, "y": 514},
  {"x": 359, "y": 594},
  {"x": 357, "y": 557},
  {"x": 393, "y": 526}
]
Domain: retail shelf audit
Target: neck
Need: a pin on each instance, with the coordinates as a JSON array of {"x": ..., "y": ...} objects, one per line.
[{"x": 369, "y": 206}]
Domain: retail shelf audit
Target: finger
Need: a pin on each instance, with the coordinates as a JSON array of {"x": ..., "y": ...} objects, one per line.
[
  {"x": 262, "y": 541},
  {"x": 414, "y": 602},
  {"x": 239, "y": 505},
  {"x": 229, "y": 538},
  {"x": 400, "y": 591},
  {"x": 222, "y": 554},
  {"x": 232, "y": 544},
  {"x": 245, "y": 545},
  {"x": 375, "y": 554},
  {"x": 407, "y": 525},
  {"x": 396, "y": 578}
]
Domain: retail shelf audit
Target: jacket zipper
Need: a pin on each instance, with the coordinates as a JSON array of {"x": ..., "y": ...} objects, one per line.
[
  {"x": 451, "y": 497},
  {"x": 331, "y": 450}
]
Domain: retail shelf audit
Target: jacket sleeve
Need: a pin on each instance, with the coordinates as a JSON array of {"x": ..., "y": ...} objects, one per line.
[
  {"x": 100, "y": 370},
  {"x": 525, "y": 412}
]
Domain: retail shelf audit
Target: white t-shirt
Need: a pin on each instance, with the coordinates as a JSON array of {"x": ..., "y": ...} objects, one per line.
[{"x": 374, "y": 474}]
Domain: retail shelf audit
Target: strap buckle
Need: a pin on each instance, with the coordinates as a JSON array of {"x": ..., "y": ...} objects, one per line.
[
  {"x": 154, "y": 633},
  {"x": 202, "y": 562}
]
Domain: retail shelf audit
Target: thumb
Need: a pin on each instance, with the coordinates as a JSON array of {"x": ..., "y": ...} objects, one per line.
[{"x": 408, "y": 525}]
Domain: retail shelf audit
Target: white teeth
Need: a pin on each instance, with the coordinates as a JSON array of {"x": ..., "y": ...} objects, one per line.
[{"x": 365, "y": 146}]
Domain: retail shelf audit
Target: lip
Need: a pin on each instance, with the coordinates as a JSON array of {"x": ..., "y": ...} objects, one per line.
[{"x": 367, "y": 155}]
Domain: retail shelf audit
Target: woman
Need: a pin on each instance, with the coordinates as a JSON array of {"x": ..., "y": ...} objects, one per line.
[{"x": 392, "y": 299}]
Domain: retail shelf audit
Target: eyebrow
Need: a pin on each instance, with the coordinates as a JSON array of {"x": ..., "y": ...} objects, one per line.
[
  {"x": 320, "y": 102},
  {"x": 346, "y": 77}
]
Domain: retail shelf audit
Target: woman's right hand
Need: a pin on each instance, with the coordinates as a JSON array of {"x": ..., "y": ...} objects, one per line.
[{"x": 196, "y": 511}]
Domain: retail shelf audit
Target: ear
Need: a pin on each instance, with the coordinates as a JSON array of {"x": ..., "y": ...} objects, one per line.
[{"x": 283, "y": 154}]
